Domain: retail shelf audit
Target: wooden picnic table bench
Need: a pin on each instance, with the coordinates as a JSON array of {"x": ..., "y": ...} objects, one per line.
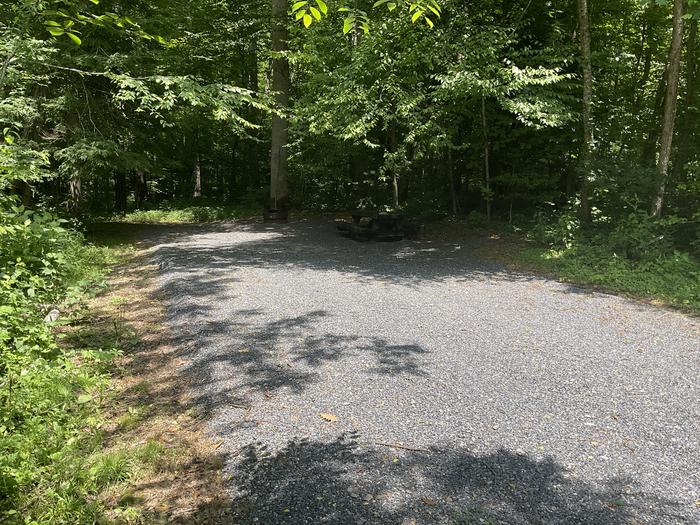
[{"x": 371, "y": 224}]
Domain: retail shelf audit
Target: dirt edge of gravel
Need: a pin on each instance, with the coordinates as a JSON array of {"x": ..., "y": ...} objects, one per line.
[{"x": 150, "y": 413}]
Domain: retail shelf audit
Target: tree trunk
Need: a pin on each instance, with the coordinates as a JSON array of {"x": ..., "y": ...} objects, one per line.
[
  {"x": 24, "y": 191},
  {"x": 674, "y": 63},
  {"x": 253, "y": 179},
  {"x": 197, "y": 175},
  {"x": 586, "y": 109},
  {"x": 75, "y": 194},
  {"x": 279, "y": 190},
  {"x": 120, "y": 192},
  {"x": 686, "y": 126},
  {"x": 487, "y": 170},
  {"x": 451, "y": 174},
  {"x": 648, "y": 156},
  {"x": 393, "y": 142},
  {"x": 141, "y": 189},
  {"x": 232, "y": 179}
]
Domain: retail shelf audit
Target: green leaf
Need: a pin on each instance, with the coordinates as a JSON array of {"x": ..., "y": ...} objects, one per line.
[
  {"x": 347, "y": 25},
  {"x": 416, "y": 15},
  {"x": 85, "y": 398},
  {"x": 315, "y": 12},
  {"x": 55, "y": 31},
  {"x": 307, "y": 20},
  {"x": 52, "y": 23},
  {"x": 391, "y": 6},
  {"x": 322, "y": 6},
  {"x": 298, "y": 5},
  {"x": 429, "y": 22},
  {"x": 380, "y": 2},
  {"x": 96, "y": 2},
  {"x": 300, "y": 14},
  {"x": 74, "y": 38}
]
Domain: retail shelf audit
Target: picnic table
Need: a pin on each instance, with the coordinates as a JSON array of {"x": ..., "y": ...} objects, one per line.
[{"x": 371, "y": 224}]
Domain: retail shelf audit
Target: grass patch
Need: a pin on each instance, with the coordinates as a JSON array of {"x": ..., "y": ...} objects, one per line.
[
  {"x": 189, "y": 212},
  {"x": 172, "y": 472}
]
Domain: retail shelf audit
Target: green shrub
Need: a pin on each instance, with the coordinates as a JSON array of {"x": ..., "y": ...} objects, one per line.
[
  {"x": 639, "y": 236},
  {"x": 632, "y": 253},
  {"x": 49, "y": 398}
]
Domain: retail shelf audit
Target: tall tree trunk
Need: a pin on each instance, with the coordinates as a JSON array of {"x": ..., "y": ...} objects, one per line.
[
  {"x": 674, "y": 63},
  {"x": 197, "y": 175},
  {"x": 253, "y": 179},
  {"x": 586, "y": 109},
  {"x": 686, "y": 127},
  {"x": 279, "y": 190},
  {"x": 120, "y": 192},
  {"x": 487, "y": 169}
]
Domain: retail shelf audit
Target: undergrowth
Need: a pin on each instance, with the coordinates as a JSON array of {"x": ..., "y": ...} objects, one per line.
[
  {"x": 184, "y": 212},
  {"x": 52, "y": 466},
  {"x": 637, "y": 254},
  {"x": 673, "y": 278}
]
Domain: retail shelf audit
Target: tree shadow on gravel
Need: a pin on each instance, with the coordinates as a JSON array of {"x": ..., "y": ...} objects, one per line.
[
  {"x": 343, "y": 482},
  {"x": 264, "y": 357}
]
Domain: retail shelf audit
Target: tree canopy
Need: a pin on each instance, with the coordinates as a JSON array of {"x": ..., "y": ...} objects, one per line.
[{"x": 438, "y": 107}]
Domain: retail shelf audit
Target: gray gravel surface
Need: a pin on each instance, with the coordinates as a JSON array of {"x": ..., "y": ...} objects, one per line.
[{"x": 464, "y": 393}]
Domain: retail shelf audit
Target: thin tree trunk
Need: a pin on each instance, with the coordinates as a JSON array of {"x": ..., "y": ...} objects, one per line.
[
  {"x": 510, "y": 212},
  {"x": 451, "y": 175},
  {"x": 394, "y": 176},
  {"x": 487, "y": 170},
  {"x": 674, "y": 63},
  {"x": 141, "y": 192},
  {"x": 586, "y": 110},
  {"x": 279, "y": 190},
  {"x": 232, "y": 179},
  {"x": 197, "y": 175},
  {"x": 253, "y": 171}
]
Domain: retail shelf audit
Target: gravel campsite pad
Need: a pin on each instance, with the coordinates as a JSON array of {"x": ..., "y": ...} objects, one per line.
[{"x": 410, "y": 382}]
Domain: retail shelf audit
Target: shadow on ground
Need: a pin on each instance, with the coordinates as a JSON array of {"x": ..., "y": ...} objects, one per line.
[{"x": 341, "y": 482}]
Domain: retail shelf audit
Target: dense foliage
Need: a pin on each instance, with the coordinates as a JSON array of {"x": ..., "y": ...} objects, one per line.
[{"x": 480, "y": 113}]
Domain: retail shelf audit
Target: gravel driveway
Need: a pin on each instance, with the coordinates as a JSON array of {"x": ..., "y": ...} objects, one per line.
[{"x": 453, "y": 391}]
